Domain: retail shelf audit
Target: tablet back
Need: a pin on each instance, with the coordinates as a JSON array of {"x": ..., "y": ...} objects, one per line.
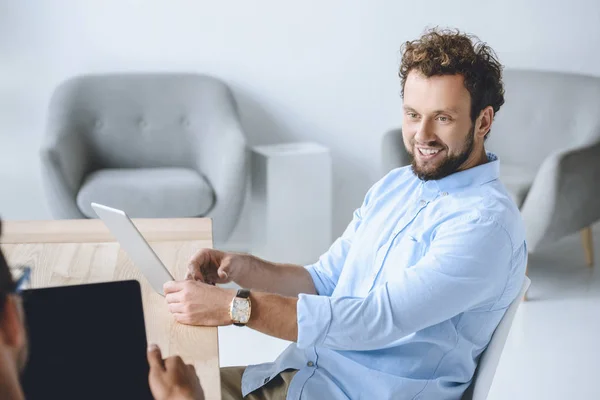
[{"x": 86, "y": 342}]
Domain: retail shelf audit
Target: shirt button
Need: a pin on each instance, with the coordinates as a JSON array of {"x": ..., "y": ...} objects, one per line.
[
  {"x": 422, "y": 203},
  {"x": 266, "y": 380},
  {"x": 310, "y": 364},
  {"x": 444, "y": 193}
]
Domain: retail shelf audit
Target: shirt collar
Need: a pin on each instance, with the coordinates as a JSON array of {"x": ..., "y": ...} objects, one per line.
[{"x": 475, "y": 176}]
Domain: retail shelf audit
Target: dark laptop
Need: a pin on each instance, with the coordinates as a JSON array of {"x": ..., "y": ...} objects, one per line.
[{"x": 86, "y": 342}]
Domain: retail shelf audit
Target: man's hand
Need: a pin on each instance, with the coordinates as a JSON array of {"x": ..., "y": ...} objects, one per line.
[
  {"x": 211, "y": 266},
  {"x": 172, "y": 379},
  {"x": 197, "y": 303},
  {"x": 250, "y": 272}
]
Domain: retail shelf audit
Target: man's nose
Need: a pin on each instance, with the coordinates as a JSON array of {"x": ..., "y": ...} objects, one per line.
[{"x": 424, "y": 133}]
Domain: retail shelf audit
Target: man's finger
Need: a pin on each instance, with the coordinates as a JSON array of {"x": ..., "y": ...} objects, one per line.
[
  {"x": 176, "y": 308},
  {"x": 190, "y": 276},
  {"x": 222, "y": 273},
  {"x": 182, "y": 319},
  {"x": 173, "y": 297},
  {"x": 172, "y": 362},
  {"x": 172, "y": 287},
  {"x": 192, "y": 370},
  {"x": 155, "y": 357},
  {"x": 194, "y": 273},
  {"x": 199, "y": 257}
]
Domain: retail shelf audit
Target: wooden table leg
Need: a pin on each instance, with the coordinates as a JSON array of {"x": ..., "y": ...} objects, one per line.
[{"x": 588, "y": 245}]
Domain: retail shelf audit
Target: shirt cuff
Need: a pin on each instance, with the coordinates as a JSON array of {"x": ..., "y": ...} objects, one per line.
[
  {"x": 314, "y": 319},
  {"x": 319, "y": 286}
]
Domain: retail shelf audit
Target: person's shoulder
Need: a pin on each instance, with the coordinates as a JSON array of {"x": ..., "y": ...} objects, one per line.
[
  {"x": 489, "y": 206},
  {"x": 497, "y": 204}
]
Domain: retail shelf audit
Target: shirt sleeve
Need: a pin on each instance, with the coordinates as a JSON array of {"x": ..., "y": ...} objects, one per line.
[
  {"x": 467, "y": 266},
  {"x": 326, "y": 271}
]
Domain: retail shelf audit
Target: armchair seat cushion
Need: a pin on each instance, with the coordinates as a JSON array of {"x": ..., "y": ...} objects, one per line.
[
  {"x": 148, "y": 192},
  {"x": 518, "y": 181}
]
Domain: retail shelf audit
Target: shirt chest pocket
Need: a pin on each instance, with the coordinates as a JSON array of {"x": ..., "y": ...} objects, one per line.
[{"x": 405, "y": 251}]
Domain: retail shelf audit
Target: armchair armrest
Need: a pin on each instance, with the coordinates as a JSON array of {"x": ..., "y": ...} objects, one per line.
[
  {"x": 565, "y": 194},
  {"x": 65, "y": 163},
  {"x": 222, "y": 157}
]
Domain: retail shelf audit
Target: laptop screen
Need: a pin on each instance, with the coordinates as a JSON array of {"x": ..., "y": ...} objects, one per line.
[{"x": 86, "y": 342}]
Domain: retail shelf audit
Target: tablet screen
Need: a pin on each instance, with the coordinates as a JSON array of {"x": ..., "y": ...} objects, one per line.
[{"x": 86, "y": 342}]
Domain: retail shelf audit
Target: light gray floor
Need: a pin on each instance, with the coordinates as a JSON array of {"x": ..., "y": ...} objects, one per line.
[{"x": 553, "y": 351}]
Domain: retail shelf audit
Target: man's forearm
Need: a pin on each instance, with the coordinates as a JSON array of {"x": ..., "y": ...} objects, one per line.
[
  {"x": 284, "y": 279},
  {"x": 274, "y": 315}
]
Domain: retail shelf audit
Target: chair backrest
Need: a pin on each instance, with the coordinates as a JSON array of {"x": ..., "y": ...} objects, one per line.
[
  {"x": 138, "y": 120},
  {"x": 489, "y": 359},
  {"x": 544, "y": 112}
]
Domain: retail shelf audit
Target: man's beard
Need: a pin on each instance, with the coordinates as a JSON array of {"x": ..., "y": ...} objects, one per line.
[{"x": 449, "y": 165}]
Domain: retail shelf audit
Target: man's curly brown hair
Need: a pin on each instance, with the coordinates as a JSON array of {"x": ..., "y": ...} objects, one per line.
[{"x": 450, "y": 52}]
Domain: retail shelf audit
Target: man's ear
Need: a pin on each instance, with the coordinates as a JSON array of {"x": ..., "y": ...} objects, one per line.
[
  {"x": 12, "y": 328},
  {"x": 484, "y": 122}
]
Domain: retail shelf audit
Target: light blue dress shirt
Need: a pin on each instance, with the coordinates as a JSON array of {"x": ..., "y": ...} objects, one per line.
[{"x": 410, "y": 294}]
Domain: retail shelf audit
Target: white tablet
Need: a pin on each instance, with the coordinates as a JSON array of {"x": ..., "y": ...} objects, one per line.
[{"x": 135, "y": 246}]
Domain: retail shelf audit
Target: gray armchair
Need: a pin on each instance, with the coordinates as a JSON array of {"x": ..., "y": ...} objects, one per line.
[
  {"x": 154, "y": 145},
  {"x": 547, "y": 136}
]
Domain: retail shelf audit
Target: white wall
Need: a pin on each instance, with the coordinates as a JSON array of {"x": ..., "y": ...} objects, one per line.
[{"x": 309, "y": 70}]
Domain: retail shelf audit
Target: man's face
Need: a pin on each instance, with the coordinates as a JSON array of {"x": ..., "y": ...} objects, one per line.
[{"x": 437, "y": 128}]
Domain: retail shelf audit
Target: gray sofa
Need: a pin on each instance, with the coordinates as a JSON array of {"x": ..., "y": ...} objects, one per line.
[
  {"x": 547, "y": 136},
  {"x": 154, "y": 145}
]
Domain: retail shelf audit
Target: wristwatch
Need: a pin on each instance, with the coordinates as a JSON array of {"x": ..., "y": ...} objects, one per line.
[{"x": 240, "y": 308}]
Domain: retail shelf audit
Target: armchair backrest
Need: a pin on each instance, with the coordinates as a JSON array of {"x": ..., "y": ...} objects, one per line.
[
  {"x": 139, "y": 120},
  {"x": 544, "y": 112}
]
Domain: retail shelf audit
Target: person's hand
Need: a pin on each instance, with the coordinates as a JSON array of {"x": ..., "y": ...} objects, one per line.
[
  {"x": 211, "y": 266},
  {"x": 171, "y": 379},
  {"x": 197, "y": 303}
]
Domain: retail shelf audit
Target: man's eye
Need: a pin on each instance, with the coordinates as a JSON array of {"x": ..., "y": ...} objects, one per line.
[
  {"x": 444, "y": 119},
  {"x": 412, "y": 115}
]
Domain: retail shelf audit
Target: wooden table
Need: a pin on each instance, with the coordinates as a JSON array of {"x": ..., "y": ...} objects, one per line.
[{"x": 70, "y": 252}]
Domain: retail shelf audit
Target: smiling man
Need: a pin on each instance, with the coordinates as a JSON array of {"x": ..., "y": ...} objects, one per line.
[{"x": 406, "y": 300}]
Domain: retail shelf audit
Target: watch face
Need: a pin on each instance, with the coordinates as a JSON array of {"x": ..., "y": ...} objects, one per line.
[{"x": 240, "y": 312}]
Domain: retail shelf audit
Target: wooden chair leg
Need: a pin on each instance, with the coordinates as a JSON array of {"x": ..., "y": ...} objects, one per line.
[{"x": 588, "y": 245}]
